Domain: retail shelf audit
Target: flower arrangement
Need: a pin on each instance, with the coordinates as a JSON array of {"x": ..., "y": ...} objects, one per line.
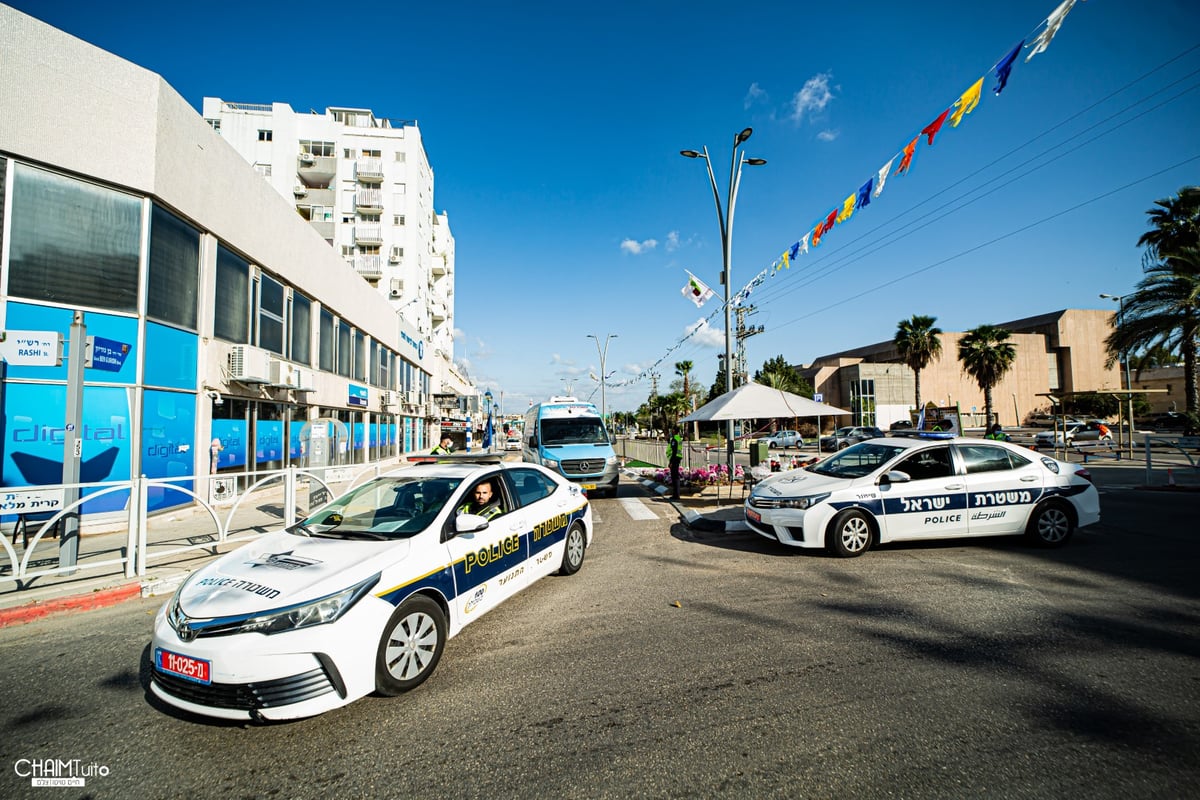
[{"x": 708, "y": 475}]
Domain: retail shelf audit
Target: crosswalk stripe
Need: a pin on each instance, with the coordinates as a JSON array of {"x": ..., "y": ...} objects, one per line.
[{"x": 636, "y": 509}]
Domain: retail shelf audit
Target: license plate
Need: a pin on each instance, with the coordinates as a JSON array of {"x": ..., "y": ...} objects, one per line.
[
  {"x": 753, "y": 515},
  {"x": 194, "y": 669},
  {"x": 588, "y": 485}
]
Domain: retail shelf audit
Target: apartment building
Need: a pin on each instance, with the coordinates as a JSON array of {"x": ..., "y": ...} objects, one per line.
[{"x": 365, "y": 185}]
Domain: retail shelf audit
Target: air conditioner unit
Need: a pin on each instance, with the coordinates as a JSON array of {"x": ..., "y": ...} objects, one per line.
[
  {"x": 306, "y": 158},
  {"x": 394, "y": 258},
  {"x": 302, "y": 380},
  {"x": 410, "y": 398},
  {"x": 280, "y": 372},
  {"x": 249, "y": 364},
  {"x": 299, "y": 191},
  {"x": 396, "y": 293},
  {"x": 387, "y": 398}
]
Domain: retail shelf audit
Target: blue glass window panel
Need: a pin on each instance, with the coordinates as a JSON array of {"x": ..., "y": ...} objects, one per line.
[
  {"x": 171, "y": 357},
  {"x": 26, "y": 317}
]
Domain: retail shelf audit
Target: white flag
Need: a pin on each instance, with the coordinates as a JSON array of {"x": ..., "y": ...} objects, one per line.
[{"x": 696, "y": 291}]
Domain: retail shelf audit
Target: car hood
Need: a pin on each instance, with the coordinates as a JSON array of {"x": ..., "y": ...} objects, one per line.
[
  {"x": 800, "y": 482},
  {"x": 281, "y": 569}
]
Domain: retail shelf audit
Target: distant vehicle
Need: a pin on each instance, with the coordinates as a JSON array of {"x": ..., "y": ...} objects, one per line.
[
  {"x": 568, "y": 436},
  {"x": 1162, "y": 421},
  {"x": 784, "y": 439},
  {"x": 844, "y": 437},
  {"x": 900, "y": 425},
  {"x": 1093, "y": 431},
  {"x": 512, "y": 443}
]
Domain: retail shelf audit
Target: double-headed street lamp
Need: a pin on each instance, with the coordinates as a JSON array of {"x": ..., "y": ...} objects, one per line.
[
  {"x": 1120, "y": 301},
  {"x": 725, "y": 220},
  {"x": 603, "y": 375}
]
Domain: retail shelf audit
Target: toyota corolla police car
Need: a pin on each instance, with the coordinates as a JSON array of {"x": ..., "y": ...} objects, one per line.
[
  {"x": 887, "y": 490},
  {"x": 363, "y": 594}
]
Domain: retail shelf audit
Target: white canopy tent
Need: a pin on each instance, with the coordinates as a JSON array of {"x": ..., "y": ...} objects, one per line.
[{"x": 757, "y": 401}]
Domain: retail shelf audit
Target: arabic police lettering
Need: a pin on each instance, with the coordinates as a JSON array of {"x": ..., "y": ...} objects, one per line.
[
  {"x": 549, "y": 526},
  {"x": 982, "y": 515},
  {"x": 924, "y": 503},
  {"x": 1001, "y": 498},
  {"x": 484, "y": 556},
  {"x": 245, "y": 586}
]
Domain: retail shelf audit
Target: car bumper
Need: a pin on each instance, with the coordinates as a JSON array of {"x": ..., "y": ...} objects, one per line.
[
  {"x": 281, "y": 676},
  {"x": 790, "y": 526}
]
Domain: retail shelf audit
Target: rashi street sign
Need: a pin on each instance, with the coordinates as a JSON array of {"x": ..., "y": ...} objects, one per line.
[{"x": 31, "y": 348}]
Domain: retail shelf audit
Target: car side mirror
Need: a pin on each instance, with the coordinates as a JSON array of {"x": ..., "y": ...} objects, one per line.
[
  {"x": 894, "y": 476},
  {"x": 469, "y": 523}
]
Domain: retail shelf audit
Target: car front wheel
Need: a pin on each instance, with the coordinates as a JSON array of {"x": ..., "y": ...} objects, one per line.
[
  {"x": 410, "y": 647},
  {"x": 850, "y": 534},
  {"x": 1051, "y": 525},
  {"x": 576, "y": 545}
]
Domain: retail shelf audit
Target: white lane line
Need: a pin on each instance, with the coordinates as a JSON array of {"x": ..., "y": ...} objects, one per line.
[{"x": 636, "y": 509}]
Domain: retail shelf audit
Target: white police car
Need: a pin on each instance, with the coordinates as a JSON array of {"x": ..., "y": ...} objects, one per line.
[
  {"x": 362, "y": 595},
  {"x": 899, "y": 489}
]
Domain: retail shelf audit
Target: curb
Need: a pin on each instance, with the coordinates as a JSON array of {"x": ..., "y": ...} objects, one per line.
[
  {"x": 101, "y": 598},
  {"x": 693, "y": 519}
]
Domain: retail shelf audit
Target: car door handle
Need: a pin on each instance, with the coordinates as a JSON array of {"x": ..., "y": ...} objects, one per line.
[
  {"x": 1028, "y": 478},
  {"x": 954, "y": 487}
]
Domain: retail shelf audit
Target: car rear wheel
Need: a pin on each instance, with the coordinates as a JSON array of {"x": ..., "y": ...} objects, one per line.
[
  {"x": 1051, "y": 525},
  {"x": 850, "y": 534},
  {"x": 410, "y": 647},
  {"x": 576, "y": 546}
]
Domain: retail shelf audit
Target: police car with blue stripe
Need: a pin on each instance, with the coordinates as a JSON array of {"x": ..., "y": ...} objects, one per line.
[
  {"x": 362, "y": 595},
  {"x": 904, "y": 489}
]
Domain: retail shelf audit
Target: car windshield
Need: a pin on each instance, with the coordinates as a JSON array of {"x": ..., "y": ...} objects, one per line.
[
  {"x": 576, "y": 430},
  {"x": 859, "y": 460},
  {"x": 385, "y": 508}
]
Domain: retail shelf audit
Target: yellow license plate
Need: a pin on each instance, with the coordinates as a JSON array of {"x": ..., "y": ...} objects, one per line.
[{"x": 588, "y": 485}]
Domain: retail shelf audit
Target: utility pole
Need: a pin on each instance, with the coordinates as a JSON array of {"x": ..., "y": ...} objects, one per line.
[{"x": 741, "y": 375}]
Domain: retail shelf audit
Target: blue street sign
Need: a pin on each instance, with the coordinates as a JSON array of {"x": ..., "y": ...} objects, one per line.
[{"x": 106, "y": 354}]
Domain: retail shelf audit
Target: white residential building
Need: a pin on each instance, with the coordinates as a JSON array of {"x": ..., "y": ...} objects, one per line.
[{"x": 364, "y": 183}]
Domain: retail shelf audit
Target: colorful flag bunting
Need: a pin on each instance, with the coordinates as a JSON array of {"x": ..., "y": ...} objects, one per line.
[
  {"x": 966, "y": 104},
  {"x": 931, "y": 130},
  {"x": 1053, "y": 23},
  {"x": 804, "y": 242},
  {"x": 906, "y": 162},
  {"x": 696, "y": 290},
  {"x": 864, "y": 193},
  {"x": 795, "y": 250},
  {"x": 847, "y": 208},
  {"x": 1005, "y": 67},
  {"x": 883, "y": 174}
]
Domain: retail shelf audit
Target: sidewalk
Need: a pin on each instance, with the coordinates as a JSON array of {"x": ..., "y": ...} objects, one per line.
[{"x": 106, "y": 583}]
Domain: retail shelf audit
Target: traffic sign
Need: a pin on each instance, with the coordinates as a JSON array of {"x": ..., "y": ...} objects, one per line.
[
  {"x": 31, "y": 348},
  {"x": 105, "y": 354}
]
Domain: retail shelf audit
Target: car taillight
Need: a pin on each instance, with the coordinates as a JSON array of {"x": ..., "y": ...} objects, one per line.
[{"x": 1083, "y": 473}]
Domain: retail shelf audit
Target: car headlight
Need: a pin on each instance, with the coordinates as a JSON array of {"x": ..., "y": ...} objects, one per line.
[
  {"x": 803, "y": 502},
  {"x": 611, "y": 460}
]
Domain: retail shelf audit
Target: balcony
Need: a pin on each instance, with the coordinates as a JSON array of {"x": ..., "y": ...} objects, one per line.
[
  {"x": 437, "y": 310},
  {"x": 316, "y": 170},
  {"x": 322, "y": 226},
  {"x": 369, "y": 170},
  {"x": 369, "y": 267},
  {"x": 368, "y": 234},
  {"x": 438, "y": 268},
  {"x": 369, "y": 201}
]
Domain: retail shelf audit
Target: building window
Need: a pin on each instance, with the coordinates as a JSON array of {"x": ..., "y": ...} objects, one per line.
[
  {"x": 231, "y": 312},
  {"x": 401, "y": 157},
  {"x": 374, "y": 363},
  {"x": 73, "y": 243},
  {"x": 215, "y": 124},
  {"x": 372, "y": 153},
  {"x": 263, "y": 169},
  {"x": 345, "y": 349},
  {"x": 301, "y": 318},
  {"x": 349, "y": 153},
  {"x": 264, "y": 135},
  {"x": 326, "y": 355},
  {"x": 862, "y": 401},
  {"x": 271, "y": 303},
  {"x": 397, "y": 254},
  {"x": 360, "y": 356},
  {"x": 398, "y": 220},
  {"x": 173, "y": 286},
  {"x": 315, "y": 148}
]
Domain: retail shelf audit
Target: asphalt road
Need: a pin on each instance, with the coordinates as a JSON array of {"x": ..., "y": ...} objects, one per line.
[{"x": 683, "y": 664}]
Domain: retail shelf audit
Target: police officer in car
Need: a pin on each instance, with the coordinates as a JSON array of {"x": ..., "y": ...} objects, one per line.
[{"x": 484, "y": 502}]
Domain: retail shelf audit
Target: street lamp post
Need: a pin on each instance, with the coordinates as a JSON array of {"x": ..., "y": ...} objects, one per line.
[
  {"x": 725, "y": 221},
  {"x": 603, "y": 375},
  {"x": 1120, "y": 300}
]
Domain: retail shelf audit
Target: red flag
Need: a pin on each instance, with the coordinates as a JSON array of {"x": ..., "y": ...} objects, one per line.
[{"x": 931, "y": 130}]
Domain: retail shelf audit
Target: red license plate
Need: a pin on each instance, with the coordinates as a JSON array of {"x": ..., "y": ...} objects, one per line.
[
  {"x": 194, "y": 669},
  {"x": 753, "y": 515}
]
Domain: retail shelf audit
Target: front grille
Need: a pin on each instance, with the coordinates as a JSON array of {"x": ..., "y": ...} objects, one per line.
[
  {"x": 766, "y": 502},
  {"x": 583, "y": 466},
  {"x": 248, "y": 696}
]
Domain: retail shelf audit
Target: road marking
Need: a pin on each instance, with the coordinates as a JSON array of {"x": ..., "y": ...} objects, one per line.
[{"x": 636, "y": 509}]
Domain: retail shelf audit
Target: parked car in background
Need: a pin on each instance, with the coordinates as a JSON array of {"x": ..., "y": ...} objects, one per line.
[
  {"x": 512, "y": 443},
  {"x": 844, "y": 437},
  {"x": 784, "y": 439},
  {"x": 900, "y": 425},
  {"x": 1093, "y": 431},
  {"x": 1161, "y": 421}
]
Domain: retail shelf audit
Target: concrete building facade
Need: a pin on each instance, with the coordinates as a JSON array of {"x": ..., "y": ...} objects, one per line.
[
  {"x": 242, "y": 340},
  {"x": 1059, "y": 352}
]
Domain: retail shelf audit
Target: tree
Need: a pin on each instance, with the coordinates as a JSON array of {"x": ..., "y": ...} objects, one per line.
[
  {"x": 1164, "y": 311},
  {"x": 1174, "y": 226},
  {"x": 986, "y": 354},
  {"x": 918, "y": 344},
  {"x": 779, "y": 374}
]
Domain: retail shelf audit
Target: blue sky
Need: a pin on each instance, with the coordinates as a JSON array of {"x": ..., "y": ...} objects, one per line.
[{"x": 554, "y": 131}]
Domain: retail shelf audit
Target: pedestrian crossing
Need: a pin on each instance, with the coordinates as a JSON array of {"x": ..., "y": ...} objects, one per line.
[{"x": 636, "y": 508}]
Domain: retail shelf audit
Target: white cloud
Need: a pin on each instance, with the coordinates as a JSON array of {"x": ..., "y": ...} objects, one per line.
[
  {"x": 812, "y": 97},
  {"x": 634, "y": 247},
  {"x": 556, "y": 359},
  {"x": 705, "y": 334},
  {"x": 755, "y": 94},
  {"x": 827, "y": 136},
  {"x": 672, "y": 241}
]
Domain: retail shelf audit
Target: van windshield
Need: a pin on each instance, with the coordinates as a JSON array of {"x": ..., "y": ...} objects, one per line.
[{"x": 576, "y": 430}]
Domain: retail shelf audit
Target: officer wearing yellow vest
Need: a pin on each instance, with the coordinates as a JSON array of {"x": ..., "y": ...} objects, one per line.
[
  {"x": 674, "y": 457},
  {"x": 443, "y": 449},
  {"x": 484, "y": 502}
]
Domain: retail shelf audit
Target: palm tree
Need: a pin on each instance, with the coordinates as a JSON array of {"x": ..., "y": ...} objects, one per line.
[
  {"x": 1164, "y": 311},
  {"x": 986, "y": 354},
  {"x": 684, "y": 370},
  {"x": 1174, "y": 225},
  {"x": 918, "y": 344}
]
